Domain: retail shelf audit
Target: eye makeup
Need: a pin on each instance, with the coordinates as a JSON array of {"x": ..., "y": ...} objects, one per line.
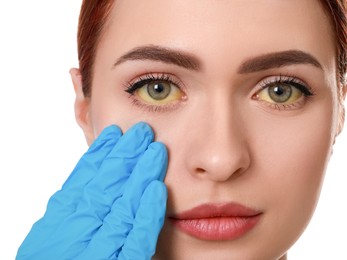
[{"x": 283, "y": 93}]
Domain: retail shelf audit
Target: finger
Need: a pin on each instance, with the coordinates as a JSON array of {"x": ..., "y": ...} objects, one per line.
[
  {"x": 107, "y": 186},
  {"x": 86, "y": 169},
  {"x": 118, "y": 223},
  {"x": 152, "y": 166},
  {"x": 91, "y": 161},
  {"x": 142, "y": 240},
  {"x": 64, "y": 202},
  {"x": 78, "y": 228}
]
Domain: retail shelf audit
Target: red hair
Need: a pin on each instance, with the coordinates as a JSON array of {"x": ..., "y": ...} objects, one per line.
[
  {"x": 93, "y": 17},
  {"x": 95, "y": 13},
  {"x": 336, "y": 9}
]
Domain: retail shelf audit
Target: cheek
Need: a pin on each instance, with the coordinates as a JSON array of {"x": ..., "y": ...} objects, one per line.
[
  {"x": 112, "y": 107},
  {"x": 298, "y": 153},
  {"x": 290, "y": 164}
]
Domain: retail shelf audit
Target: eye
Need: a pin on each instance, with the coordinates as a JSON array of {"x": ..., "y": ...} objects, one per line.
[
  {"x": 159, "y": 92},
  {"x": 155, "y": 91},
  {"x": 283, "y": 93}
]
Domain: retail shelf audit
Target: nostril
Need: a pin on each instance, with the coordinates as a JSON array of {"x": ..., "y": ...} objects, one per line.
[{"x": 200, "y": 170}]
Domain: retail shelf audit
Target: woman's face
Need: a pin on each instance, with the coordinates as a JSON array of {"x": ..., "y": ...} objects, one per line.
[{"x": 244, "y": 95}]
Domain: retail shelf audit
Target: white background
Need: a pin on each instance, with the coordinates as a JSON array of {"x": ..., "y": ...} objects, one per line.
[{"x": 41, "y": 143}]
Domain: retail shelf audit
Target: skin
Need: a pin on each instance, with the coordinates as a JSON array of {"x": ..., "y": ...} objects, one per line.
[{"x": 225, "y": 145}]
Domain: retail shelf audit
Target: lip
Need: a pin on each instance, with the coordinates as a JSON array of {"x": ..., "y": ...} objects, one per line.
[{"x": 227, "y": 221}]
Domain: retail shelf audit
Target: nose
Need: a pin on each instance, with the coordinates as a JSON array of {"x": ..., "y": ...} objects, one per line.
[{"x": 219, "y": 147}]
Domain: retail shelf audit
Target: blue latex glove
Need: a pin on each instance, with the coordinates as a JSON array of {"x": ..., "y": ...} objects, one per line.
[{"x": 111, "y": 207}]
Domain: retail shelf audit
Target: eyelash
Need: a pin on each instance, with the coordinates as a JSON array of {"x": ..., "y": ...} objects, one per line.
[
  {"x": 307, "y": 91},
  {"x": 131, "y": 87}
]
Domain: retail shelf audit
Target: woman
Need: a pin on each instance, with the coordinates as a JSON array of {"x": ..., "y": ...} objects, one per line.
[{"x": 246, "y": 96}]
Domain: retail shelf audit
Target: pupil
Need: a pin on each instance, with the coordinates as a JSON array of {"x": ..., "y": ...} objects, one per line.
[
  {"x": 159, "y": 88},
  {"x": 279, "y": 91}
]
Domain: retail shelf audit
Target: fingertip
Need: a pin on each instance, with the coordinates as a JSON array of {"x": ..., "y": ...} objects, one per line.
[
  {"x": 158, "y": 155},
  {"x": 158, "y": 146},
  {"x": 109, "y": 133},
  {"x": 135, "y": 140},
  {"x": 140, "y": 129},
  {"x": 156, "y": 192}
]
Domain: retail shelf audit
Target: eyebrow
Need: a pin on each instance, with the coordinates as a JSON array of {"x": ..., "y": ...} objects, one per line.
[
  {"x": 161, "y": 54},
  {"x": 191, "y": 62},
  {"x": 276, "y": 60}
]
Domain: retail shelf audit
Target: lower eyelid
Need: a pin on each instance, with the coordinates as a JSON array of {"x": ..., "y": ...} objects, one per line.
[
  {"x": 152, "y": 108},
  {"x": 285, "y": 107}
]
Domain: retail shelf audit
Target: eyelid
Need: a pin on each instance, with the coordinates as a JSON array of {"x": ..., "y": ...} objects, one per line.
[
  {"x": 295, "y": 81},
  {"x": 146, "y": 78},
  {"x": 292, "y": 80}
]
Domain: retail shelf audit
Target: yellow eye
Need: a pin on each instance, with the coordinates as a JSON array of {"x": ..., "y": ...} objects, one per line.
[
  {"x": 282, "y": 93},
  {"x": 159, "y": 92}
]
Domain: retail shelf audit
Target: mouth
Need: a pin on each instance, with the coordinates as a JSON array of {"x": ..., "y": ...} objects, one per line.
[{"x": 217, "y": 221}]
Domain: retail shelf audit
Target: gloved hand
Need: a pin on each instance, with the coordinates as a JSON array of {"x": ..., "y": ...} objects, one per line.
[{"x": 111, "y": 207}]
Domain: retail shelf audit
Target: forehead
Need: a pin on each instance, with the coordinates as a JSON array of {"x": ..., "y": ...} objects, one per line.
[{"x": 210, "y": 27}]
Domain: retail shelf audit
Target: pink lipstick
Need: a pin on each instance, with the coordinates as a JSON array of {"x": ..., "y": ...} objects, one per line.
[{"x": 217, "y": 221}]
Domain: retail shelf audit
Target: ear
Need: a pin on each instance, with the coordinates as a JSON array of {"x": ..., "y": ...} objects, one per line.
[{"x": 82, "y": 106}]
